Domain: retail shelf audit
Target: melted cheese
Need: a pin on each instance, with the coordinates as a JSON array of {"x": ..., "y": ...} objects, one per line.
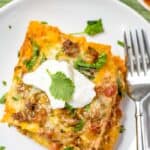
[{"x": 40, "y": 79}]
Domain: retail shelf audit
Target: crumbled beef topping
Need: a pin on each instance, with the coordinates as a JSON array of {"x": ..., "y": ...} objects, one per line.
[
  {"x": 70, "y": 48},
  {"x": 39, "y": 116},
  {"x": 20, "y": 116},
  {"x": 91, "y": 55},
  {"x": 31, "y": 106}
]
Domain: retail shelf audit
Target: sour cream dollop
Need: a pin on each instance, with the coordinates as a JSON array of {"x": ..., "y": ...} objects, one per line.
[{"x": 84, "y": 88}]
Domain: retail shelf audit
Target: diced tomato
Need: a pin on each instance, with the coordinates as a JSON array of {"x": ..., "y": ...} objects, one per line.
[
  {"x": 110, "y": 90},
  {"x": 95, "y": 127},
  {"x": 54, "y": 146}
]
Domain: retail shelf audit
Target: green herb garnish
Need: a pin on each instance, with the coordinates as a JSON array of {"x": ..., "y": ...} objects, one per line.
[
  {"x": 3, "y": 99},
  {"x": 79, "y": 126},
  {"x": 18, "y": 54},
  {"x": 122, "y": 129},
  {"x": 61, "y": 87},
  {"x": 4, "y": 82},
  {"x": 121, "y": 91},
  {"x": 9, "y": 26},
  {"x": 87, "y": 107},
  {"x": 44, "y": 22},
  {"x": 68, "y": 148},
  {"x": 43, "y": 58},
  {"x": 69, "y": 107},
  {"x": 94, "y": 27},
  {"x": 16, "y": 98},
  {"x": 88, "y": 73},
  {"x": 2, "y": 147},
  {"x": 30, "y": 63},
  {"x": 119, "y": 84},
  {"x": 120, "y": 43},
  {"x": 81, "y": 64}
]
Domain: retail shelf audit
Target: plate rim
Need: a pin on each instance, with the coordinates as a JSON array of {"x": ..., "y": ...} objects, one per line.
[{"x": 13, "y": 3}]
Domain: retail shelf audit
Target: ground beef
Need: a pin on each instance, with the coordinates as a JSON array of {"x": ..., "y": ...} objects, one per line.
[
  {"x": 20, "y": 116},
  {"x": 70, "y": 48}
]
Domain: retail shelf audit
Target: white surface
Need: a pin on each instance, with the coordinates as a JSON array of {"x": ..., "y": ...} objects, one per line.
[
  {"x": 70, "y": 16},
  {"x": 41, "y": 79}
]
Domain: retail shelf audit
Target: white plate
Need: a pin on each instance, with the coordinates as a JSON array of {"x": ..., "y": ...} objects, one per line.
[{"x": 70, "y": 16}]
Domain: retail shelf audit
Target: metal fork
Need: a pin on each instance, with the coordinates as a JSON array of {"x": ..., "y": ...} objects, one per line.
[{"x": 138, "y": 77}]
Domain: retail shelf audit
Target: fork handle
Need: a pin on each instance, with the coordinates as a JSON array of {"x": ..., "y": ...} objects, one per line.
[{"x": 139, "y": 116}]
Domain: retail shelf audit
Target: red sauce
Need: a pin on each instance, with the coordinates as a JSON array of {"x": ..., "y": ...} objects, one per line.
[{"x": 110, "y": 91}]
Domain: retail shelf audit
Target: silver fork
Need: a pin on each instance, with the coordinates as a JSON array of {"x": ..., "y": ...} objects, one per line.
[{"x": 138, "y": 78}]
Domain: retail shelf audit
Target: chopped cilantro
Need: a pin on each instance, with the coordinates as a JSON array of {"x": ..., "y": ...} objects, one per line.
[
  {"x": 122, "y": 44},
  {"x": 68, "y": 148},
  {"x": 44, "y": 22},
  {"x": 101, "y": 61},
  {"x": 3, "y": 99},
  {"x": 87, "y": 107},
  {"x": 4, "y": 82},
  {"x": 69, "y": 107},
  {"x": 43, "y": 58},
  {"x": 79, "y": 126},
  {"x": 121, "y": 91},
  {"x": 122, "y": 128},
  {"x": 94, "y": 27},
  {"x": 9, "y": 26},
  {"x": 81, "y": 64},
  {"x": 31, "y": 62},
  {"x": 61, "y": 87},
  {"x": 119, "y": 87},
  {"x": 16, "y": 98},
  {"x": 88, "y": 73},
  {"x": 2, "y": 147}
]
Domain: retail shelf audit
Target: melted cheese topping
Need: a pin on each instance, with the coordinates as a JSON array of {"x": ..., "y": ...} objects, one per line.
[
  {"x": 59, "y": 124},
  {"x": 40, "y": 79}
]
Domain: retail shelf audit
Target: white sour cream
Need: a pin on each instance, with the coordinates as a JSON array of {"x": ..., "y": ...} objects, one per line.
[{"x": 84, "y": 88}]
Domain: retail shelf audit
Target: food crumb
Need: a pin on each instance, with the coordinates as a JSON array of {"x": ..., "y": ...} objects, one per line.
[{"x": 9, "y": 26}]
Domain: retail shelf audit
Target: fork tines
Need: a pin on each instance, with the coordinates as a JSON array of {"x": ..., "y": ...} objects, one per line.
[{"x": 137, "y": 51}]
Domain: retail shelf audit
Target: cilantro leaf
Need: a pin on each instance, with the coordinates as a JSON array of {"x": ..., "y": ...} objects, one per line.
[
  {"x": 16, "y": 98},
  {"x": 43, "y": 58},
  {"x": 61, "y": 87},
  {"x": 31, "y": 62},
  {"x": 122, "y": 129},
  {"x": 69, "y": 107},
  {"x": 9, "y": 26},
  {"x": 94, "y": 27},
  {"x": 3, "y": 99},
  {"x": 121, "y": 90},
  {"x": 2, "y": 147},
  {"x": 101, "y": 61},
  {"x": 87, "y": 107},
  {"x": 4, "y": 82},
  {"x": 119, "y": 84},
  {"x": 79, "y": 63},
  {"x": 122, "y": 44},
  {"x": 68, "y": 148},
  {"x": 44, "y": 22},
  {"x": 79, "y": 126}
]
